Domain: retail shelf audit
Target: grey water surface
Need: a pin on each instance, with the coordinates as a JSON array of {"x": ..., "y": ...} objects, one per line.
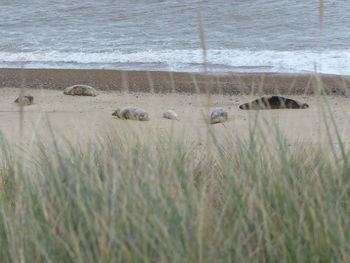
[{"x": 241, "y": 35}]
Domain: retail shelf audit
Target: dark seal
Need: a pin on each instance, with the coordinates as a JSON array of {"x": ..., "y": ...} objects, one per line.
[{"x": 273, "y": 102}]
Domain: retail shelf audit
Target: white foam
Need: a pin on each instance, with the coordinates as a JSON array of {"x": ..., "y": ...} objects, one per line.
[{"x": 226, "y": 60}]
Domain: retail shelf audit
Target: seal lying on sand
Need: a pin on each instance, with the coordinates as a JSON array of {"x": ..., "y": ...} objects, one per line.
[
  {"x": 25, "y": 100},
  {"x": 218, "y": 115},
  {"x": 80, "y": 90},
  {"x": 273, "y": 102},
  {"x": 170, "y": 114},
  {"x": 131, "y": 113}
]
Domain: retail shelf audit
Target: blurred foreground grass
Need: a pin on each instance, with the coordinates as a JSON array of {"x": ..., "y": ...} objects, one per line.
[{"x": 165, "y": 200}]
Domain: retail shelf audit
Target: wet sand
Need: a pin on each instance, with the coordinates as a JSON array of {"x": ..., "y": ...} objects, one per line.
[{"x": 175, "y": 82}]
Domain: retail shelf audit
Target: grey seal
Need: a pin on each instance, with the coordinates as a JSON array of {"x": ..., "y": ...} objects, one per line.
[
  {"x": 80, "y": 90},
  {"x": 131, "y": 113},
  {"x": 218, "y": 115},
  {"x": 25, "y": 100},
  {"x": 170, "y": 114}
]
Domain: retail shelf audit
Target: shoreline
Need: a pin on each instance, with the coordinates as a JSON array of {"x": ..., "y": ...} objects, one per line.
[{"x": 176, "y": 82}]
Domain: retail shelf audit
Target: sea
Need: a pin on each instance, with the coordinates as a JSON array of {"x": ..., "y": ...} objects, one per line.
[{"x": 219, "y": 36}]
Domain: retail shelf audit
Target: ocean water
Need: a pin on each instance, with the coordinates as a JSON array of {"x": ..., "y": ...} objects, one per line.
[{"x": 240, "y": 35}]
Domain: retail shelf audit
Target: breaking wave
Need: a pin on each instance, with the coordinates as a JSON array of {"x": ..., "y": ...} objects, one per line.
[{"x": 219, "y": 60}]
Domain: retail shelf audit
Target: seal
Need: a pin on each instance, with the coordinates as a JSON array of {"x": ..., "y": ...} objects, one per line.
[
  {"x": 80, "y": 90},
  {"x": 218, "y": 115},
  {"x": 273, "y": 102},
  {"x": 131, "y": 113},
  {"x": 25, "y": 100},
  {"x": 170, "y": 114}
]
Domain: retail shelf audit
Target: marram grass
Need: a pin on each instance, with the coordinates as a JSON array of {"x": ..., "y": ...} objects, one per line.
[{"x": 166, "y": 201}]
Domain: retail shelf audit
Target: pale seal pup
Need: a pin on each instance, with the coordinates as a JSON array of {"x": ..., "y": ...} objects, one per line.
[
  {"x": 170, "y": 114},
  {"x": 25, "y": 100},
  {"x": 218, "y": 115},
  {"x": 80, "y": 90},
  {"x": 131, "y": 113},
  {"x": 273, "y": 102}
]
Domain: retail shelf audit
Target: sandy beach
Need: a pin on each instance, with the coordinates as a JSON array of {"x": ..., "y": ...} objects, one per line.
[{"x": 74, "y": 116}]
